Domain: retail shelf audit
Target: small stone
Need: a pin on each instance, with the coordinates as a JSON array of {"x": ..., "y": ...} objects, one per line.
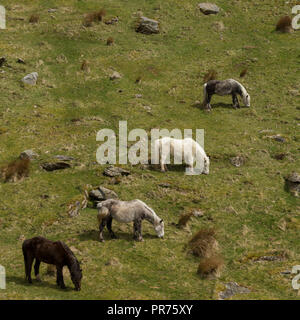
[
  {"x": 208, "y": 8},
  {"x": 63, "y": 158},
  {"x": 31, "y": 78},
  {"x": 219, "y": 26},
  {"x": 198, "y": 213},
  {"x": 232, "y": 288},
  {"x": 52, "y": 10},
  {"x": 112, "y": 21},
  {"x": 19, "y": 60},
  {"x": 113, "y": 262},
  {"x": 285, "y": 272},
  {"x": 237, "y": 161},
  {"x": 197, "y": 104},
  {"x": 138, "y": 96},
  {"x": 165, "y": 185},
  {"x": 22, "y": 237},
  {"x": 147, "y": 26},
  {"x": 115, "y": 75},
  {"x": 28, "y": 154}
]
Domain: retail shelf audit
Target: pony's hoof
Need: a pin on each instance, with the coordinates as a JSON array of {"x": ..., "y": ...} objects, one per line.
[{"x": 101, "y": 240}]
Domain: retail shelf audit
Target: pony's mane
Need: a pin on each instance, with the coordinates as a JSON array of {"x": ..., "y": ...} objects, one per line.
[
  {"x": 154, "y": 215},
  {"x": 244, "y": 91},
  {"x": 70, "y": 254}
]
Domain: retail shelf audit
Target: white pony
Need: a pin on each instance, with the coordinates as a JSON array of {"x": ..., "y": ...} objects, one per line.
[
  {"x": 184, "y": 150},
  {"x": 225, "y": 87},
  {"x": 128, "y": 211}
]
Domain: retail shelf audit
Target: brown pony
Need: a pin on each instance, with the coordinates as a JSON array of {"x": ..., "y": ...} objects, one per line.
[{"x": 56, "y": 253}]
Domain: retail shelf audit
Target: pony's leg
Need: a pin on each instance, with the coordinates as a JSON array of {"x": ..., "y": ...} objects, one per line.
[
  {"x": 235, "y": 101},
  {"x": 59, "y": 277},
  {"x": 208, "y": 99},
  {"x": 37, "y": 269},
  {"x": 137, "y": 230},
  {"x": 29, "y": 267},
  {"x": 108, "y": 224},
  {"x": 101, "y": 227}
]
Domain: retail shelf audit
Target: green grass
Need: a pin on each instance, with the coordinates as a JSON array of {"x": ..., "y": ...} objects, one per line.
[{"x": 245, "y": 205}]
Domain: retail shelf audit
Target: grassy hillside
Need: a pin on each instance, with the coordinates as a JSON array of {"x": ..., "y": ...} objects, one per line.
[{"x": 247, "y": 206}]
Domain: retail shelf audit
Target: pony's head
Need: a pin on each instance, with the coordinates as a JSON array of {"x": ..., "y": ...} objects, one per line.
[
  {"x": 246, "y": 99},
  {"x": 76, "y": 275},
  {"x": 159, "y": 229},
  {"x": 206, "y": 165}
]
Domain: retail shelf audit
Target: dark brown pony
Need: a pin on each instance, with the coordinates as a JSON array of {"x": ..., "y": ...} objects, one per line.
[{"x": 56, "y": 253}]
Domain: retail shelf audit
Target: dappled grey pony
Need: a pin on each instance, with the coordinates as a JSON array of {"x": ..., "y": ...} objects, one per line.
[
  {"x": 127, "y": 211},
  {"x": 225, "y": 87}
]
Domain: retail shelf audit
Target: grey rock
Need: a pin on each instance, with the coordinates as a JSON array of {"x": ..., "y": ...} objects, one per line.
[
  {"x": 232, "y": 288},
  {"x": 208, "y": 8},
  {"x": 63, "y": 158},
  {"x": 48, "y": 166},
  {"x": 30, "y": 78},
  {"x": 237, "y": 161},
  {"x": 148, "y": 26},
  {"x": 198, "y": 213},
  {"x": 101, "y": 194},
  {"x": 112, "y": 171},
  {"x": 269, "y": 258},
  {"x": 28, "y": 154},
  {"x": 115, "y": 75}
]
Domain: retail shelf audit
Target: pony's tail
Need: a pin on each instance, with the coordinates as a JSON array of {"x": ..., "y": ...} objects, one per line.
[
  {"x": 204, "y": 94},
  {"x": 103, "y": 213},
  {"x": 24, "y": 245}
]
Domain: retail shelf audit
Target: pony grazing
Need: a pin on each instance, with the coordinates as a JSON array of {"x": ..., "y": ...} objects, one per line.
[
  {"x": 127, "y": 211},
  {"x": 55, "y": 253},
  {"x": 225, "y": 87},
  {"x": 184, "y": 150}
]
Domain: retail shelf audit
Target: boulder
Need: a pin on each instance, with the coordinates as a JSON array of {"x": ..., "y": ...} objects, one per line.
[
  {"x": 113, "y": 171},
  {"x": 147, "y": 26},
  {"x": 208, "y": 8},
  {"x": 48, "y": 166},
  {"x": 101, "y": 194}
]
